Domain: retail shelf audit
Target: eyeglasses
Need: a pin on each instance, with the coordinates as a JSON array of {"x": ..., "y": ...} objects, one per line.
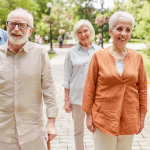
[{"x": 22, "y": 26}]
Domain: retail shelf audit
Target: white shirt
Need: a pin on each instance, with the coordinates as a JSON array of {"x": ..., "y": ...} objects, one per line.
[
  {"x": 75, "y": 70},
  {"x": 120, "y": 67}
]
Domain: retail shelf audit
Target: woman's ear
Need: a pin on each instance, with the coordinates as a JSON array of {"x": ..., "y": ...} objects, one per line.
[{"x": 110, "y": 32}]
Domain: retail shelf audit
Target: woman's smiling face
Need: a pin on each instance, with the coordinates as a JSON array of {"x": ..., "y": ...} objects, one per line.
[
  {"x": 83, "y": 34},
  {"x": 121, "y": 33}
]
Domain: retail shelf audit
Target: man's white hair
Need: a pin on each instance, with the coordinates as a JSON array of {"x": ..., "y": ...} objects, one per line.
[
  {"x": 86, "y": 23},
  {"x": 30, "y": 17},
  {"x": 121, "y": 16}
]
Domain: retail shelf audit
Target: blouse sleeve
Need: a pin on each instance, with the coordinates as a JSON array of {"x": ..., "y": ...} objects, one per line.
[
  {"x": 142, "y": 87},
  {"x": 90, "y": 85},
  {"x": 68, "y": 70}
]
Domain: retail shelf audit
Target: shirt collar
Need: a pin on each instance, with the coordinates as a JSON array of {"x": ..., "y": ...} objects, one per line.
[
  {"x": 25, "y": 47},
  {"x": 94, "y": 45},
  {"x": 1, "y": 34},
  {"x": 79, "y": 45}
]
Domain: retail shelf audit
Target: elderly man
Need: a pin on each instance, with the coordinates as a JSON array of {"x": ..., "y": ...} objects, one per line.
[
  {"x": 25, "y": 79},
  {"x": 3, "y": 36}
]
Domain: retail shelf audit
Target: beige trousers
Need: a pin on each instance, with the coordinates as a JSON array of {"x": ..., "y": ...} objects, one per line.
[
  {"x": 78, "y": 117},
  {"x": 104, "y": 141},
  {"x": 37, "y": 144}
]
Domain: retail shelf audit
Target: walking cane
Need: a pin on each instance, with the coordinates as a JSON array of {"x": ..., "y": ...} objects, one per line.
[{"x": 48, "y": 143}]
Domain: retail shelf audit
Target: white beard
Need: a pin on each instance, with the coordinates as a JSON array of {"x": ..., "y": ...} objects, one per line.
[{"x": 17, "y": 40}]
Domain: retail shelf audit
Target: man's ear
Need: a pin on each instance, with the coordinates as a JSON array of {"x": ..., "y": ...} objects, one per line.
[
  {"x": 31, "y": 30},
  {"x": 6, "y": 25},
  {"x": 110, "y": 32}
]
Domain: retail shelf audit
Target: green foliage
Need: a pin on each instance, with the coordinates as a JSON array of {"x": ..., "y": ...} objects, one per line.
[
  {"x": 68, "y": 12},
  {"x": 143, "y": 22},
  {"x": 42, "y": 7},
  {"x": 84, "y": 9},
  {"x": 8, "y": 5},
  {"x": 41, "y": 27},
  {"x": 141, "y": 11},
  {"x": 50, "y": 20},
  {"x": 62, "y": 20},
  {"x": 51, "y": 56},
  {"x": 105, "y": 25},
  {"x": 147, "y": 51},
  {"x": 118, "y": 6},
  {"x": 136, "y": 40},
  {"x": 136, "y": 8}
]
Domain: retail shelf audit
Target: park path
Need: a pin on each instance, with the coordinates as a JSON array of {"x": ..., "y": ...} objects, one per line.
[{"x": 64, "y": 122}]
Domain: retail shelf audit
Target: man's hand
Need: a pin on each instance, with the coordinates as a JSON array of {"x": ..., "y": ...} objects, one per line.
[
  {"x": 89, "y": 123},
  {"x": 142, "y": 123},
  {"x": 67, "y": 106},
  {"x": 50, "y": 129}
]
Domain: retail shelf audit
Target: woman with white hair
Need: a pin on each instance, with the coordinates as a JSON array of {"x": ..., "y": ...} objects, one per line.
[
  {"x": 115, "y": 91},
  {"x": 75, "y": 71}
]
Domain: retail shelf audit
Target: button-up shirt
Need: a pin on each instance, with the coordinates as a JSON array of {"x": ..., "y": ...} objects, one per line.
[
  {"x": 25, "y": 78},
  {"x": 3, "y": 36},
  {"x": 75, "y": 70}
]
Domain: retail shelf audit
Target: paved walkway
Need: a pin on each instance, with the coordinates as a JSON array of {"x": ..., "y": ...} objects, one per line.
[{"x": 64, "y": 122}]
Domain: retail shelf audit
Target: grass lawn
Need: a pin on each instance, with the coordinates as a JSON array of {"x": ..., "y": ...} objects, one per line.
[
  {"x": 147, "y": 64},
  {"x": 131, "y": 41},
  {"x": 51, "y": 56},
  {"x": 136, "y": 41}
]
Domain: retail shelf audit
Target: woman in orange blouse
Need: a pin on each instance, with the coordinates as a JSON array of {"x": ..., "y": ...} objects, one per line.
[{"x": 115, "y": 92}]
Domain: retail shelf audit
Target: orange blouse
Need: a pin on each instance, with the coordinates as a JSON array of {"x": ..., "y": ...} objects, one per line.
[{"x": 115, "y": 101}]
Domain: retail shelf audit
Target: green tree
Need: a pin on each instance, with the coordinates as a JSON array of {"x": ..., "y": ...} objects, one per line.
[
  {"x": 8, "y": 5},
  {"x": 140, "y": 12},
  {"x": 42, "y": 8},
  {"x": 105, "y": 24},
  {"x": 118, "y": 6},
  {"x": 62, "y": 21},
  {"x": 142, "y": 27}
]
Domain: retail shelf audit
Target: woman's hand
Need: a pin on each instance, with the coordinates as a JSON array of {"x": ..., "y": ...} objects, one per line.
[
  {"x": 89, "y": 123},
  {"x": 142, "y": 123},
  {"x": 67, "y": 106}
]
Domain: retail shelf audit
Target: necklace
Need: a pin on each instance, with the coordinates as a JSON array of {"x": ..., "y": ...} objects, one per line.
[
  {"x": 119, "y": 52},
  {"x": 119, "y": 56}
]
